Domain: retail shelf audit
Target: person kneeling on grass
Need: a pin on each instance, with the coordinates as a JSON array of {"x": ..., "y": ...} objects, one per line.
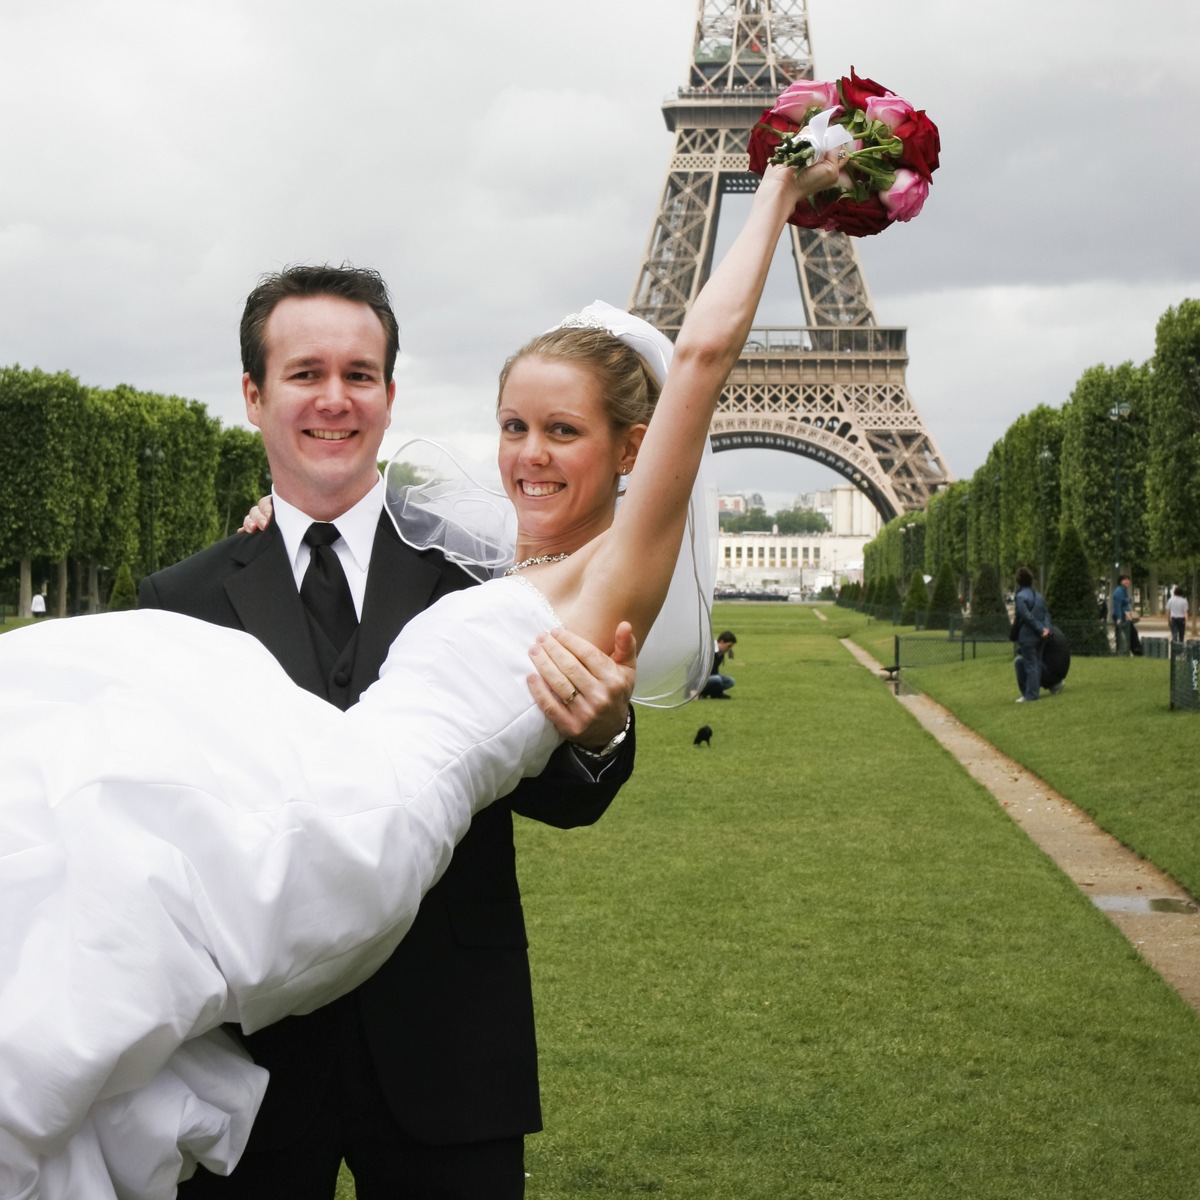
[{"x": 718, "y": 684}]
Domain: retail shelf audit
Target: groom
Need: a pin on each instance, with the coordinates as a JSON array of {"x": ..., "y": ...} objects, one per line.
[{"x": 424, "y": 1079}]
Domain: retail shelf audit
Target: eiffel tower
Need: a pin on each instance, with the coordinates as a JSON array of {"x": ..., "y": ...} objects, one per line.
[{"x": 833, "y": 389}]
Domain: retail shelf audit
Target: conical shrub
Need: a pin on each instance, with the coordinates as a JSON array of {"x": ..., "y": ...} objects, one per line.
[
  {"x": 916, "y": 600},
  {"x": 123, "y": 595},
  {"x": 943, "y": 604},
  {"x": 989, "y": 614},
  {"x": 1072, "y": 599}
]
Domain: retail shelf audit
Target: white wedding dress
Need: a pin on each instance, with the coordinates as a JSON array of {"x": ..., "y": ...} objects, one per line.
[{"x": 187, "y": 839}]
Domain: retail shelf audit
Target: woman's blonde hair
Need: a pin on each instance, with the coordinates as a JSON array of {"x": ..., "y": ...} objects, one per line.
[{"x": 628, "y": 388}]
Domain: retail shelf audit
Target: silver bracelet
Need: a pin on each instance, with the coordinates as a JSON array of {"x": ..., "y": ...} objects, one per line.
[{"x": 612, "y": 747}]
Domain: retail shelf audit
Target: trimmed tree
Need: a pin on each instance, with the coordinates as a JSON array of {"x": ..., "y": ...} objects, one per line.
[
  {"x": 916, "y": 599},
  {"x": 107, "y": 489},
  {"x": 1071, "y": 597},
  {"x": 243, "y": 476},
  {"x": 1092, "y": 436},
  {"x": 888, "y": 600},
  {"x": 123, "y": 595},
  {"x": 943, "y": 604},
  {"x": 37, "y": 471},
  {"x": 1173, "y": 477},
  {"x": 989, "y": 615}
]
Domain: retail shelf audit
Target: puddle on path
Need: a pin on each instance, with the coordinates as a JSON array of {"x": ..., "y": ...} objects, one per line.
[{"x": 1146, "y": 904}]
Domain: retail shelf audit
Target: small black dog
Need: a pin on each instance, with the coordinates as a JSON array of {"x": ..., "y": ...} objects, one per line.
[{"x": 703, "y": 734}]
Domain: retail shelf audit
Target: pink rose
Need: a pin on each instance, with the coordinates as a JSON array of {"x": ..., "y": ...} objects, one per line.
[
  {"x": 804, "y": 94},
  {"x": 889, "y": 109},
  {"x": 905, "y": 198}
]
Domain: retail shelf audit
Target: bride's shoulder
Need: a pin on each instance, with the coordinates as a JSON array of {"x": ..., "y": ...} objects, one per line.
[{"x": 524, "y": 592}]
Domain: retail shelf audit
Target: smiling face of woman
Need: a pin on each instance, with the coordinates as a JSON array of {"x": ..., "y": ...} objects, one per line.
[{"x": 560, "y": 458}]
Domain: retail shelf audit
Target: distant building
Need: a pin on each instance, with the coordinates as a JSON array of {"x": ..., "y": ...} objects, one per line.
[
  {"x": 806, "y": 562},
  {"x": 847, "y": 510},
  {"x": 740, "y": 502},
  {"x": 852, "y": 514}
]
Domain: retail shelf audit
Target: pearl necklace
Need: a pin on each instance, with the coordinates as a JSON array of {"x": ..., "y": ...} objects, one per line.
[{"x": 533, "y": 562}]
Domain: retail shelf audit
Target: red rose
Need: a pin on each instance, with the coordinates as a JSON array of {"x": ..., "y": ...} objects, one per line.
[
  {"x": 855, "y": 91},
  {"x": 921, "y": 144},
  {"x": 808, "y": 217},
  {"x": 858, "y": 219},
  {"x": 764, "y": 142}
]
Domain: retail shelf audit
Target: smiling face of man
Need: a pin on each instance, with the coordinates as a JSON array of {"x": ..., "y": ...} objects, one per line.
[{"x": 324, "y": 404}]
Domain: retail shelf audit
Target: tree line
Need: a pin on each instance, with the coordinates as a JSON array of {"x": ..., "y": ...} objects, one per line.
[
  {"x": 787, "y": 520},
  {"x": 93, "y": 480},
  {"x": 1115, "y": 471}
]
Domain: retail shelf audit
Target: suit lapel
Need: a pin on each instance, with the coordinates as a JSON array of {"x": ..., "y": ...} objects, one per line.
[
  {"x": 264, "y": 595},
  {"x": 400, "y": 584}
]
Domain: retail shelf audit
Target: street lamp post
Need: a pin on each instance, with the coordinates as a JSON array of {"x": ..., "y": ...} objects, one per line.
[
  {"x": 1045, "y": 458},
  {"x": 1117, "y": 415},
  {"x": 153, "y": 455}
]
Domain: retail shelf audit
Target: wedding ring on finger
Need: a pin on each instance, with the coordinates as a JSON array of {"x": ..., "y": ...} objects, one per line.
[
  {"x": 842, "y": 152},
  {"x": 574, "y": 693}
]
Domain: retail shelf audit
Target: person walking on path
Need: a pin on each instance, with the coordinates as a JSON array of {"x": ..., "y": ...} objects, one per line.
[{"x": 1177, "y": 614}]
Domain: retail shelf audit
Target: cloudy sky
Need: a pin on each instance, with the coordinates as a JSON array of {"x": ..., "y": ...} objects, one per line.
[{"x": 500, "y": 161}]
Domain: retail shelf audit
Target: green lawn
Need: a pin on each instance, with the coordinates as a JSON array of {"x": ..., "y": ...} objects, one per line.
[
  {"x": 1109, "y": 742},
  {"x": 818, "y": 961}
]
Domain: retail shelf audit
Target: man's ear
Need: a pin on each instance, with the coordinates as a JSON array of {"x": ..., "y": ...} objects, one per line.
[{"x": 253, "y": 398}]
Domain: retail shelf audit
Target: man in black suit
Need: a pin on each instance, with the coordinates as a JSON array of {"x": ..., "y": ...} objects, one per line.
[{"x": 424, "y": 1079}]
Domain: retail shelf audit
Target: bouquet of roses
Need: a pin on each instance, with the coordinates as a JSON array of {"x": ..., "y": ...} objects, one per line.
[{"x": 887, "y": 151}]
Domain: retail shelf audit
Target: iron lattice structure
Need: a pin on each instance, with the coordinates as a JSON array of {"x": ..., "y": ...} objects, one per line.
[{"x": 832, "y": 389}]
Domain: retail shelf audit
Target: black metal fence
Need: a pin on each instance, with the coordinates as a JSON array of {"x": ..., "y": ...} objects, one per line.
[
  {"x": 1087, "y": 639},
  {"x": 914, "y": 652}
]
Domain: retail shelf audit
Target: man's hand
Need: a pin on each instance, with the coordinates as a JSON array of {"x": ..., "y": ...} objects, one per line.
[{"x": 584, "y": 693}]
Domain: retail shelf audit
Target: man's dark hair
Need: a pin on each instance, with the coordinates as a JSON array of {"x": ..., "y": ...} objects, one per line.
[
  {"x": 1024, "y": 577},
  {"x": 726, "y": 637},
  {"x": 356, "y": 284}
]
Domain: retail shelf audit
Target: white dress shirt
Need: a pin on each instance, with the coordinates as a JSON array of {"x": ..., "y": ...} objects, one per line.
[{"x": 357, "y": 528}]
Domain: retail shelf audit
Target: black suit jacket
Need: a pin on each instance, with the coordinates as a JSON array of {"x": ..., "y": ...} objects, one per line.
[{"x": 449, "y": 1018}]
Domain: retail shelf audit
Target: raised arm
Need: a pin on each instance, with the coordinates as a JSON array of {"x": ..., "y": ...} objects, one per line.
[{"x": 628, "y": 574}]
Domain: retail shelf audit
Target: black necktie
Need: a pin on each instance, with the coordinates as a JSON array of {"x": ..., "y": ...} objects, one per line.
[{"x": 325, "y": 592}]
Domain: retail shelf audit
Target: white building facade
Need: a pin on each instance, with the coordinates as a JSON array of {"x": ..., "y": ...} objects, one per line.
[{"x": 801, "y": 563}]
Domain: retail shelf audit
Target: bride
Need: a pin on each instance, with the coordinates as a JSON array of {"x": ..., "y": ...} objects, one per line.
[{"x": 149, "y": 761}]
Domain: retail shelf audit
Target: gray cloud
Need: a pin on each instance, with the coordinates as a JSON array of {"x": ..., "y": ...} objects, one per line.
[{"x": 501, "y": 165}]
